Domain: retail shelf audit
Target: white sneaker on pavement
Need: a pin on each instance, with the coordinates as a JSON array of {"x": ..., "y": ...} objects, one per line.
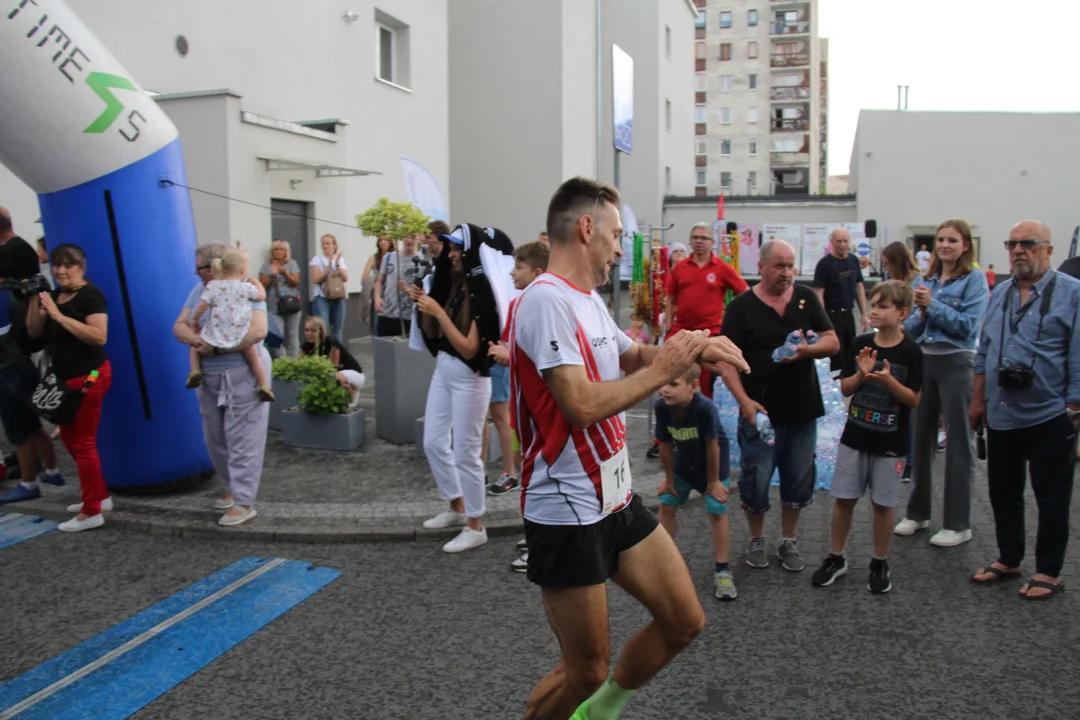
[
  {"x": 237, "y": 519},
  {"x": 224, "y": 503},
  {"x": 467, "y": 539},
  {"x": 445, "y": 519},
  {"x": 77, "y": 525},
  {"x": 950, "y": 538},
  {"x": 521, "y": 564},
  {"x": 909, "y": 527},
  {"x": 106, "y": 506}
]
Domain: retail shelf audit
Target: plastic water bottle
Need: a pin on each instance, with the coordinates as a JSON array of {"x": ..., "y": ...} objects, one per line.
[
  {"x": 765, "y": 428},
  {"x": 812, "y": 337},
  {"x": 789, "y": 348}
]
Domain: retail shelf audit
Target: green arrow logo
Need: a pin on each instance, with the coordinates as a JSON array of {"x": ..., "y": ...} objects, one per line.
[{"x": 101, "y": 83}]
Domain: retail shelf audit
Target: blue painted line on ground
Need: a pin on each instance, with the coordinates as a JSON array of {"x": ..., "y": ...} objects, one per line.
[
  {"x": 114, "y": 674},
  {"x": 15, "y": 528}
]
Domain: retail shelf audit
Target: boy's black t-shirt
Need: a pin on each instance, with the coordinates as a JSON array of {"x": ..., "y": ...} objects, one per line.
[
  {"x": 689, "y": 431},
  {"x": 71, "y": 357},
  {"x": 345, "y": 359},
  {"x": 789, "y": 391},
  {"x": 877, "y": 423}
]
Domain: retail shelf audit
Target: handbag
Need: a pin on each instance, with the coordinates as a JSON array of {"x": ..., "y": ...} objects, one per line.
[
  {"x": 55, "y": 401},
  {"x": 334, "y": 287},
  {"x": 288, "y": 305}
]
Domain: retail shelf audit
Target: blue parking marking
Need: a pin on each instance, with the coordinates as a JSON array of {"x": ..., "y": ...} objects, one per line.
[{"x": 15, "y": 528}]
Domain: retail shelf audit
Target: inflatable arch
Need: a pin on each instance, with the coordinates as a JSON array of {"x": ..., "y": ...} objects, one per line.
[{"x": 76, "y": 127}]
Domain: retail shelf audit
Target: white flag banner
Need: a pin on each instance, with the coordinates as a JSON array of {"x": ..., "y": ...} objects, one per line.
[
  {"x": 630, "y": 229},
  {"x": 424, "y": 190}
]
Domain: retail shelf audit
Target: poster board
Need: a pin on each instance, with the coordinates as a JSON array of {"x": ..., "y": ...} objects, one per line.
[
  {"x": 862, "y": 246},
  {"x": 749, "y": 244},
  {"x": 815, "y": 245},
  {"x": 788, "y": 232}
]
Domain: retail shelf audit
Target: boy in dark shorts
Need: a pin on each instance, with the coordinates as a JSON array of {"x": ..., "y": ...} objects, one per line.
[
  {"x": 694, "y": 453},
  {"x": 882, "y": 374}
]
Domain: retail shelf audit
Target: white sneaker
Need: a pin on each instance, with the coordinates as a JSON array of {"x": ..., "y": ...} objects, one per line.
[
  {"x": 467, "y": 539},
  {"x": 950, "y": 538},
  {"x": 224, "y": 503},
  {"x": 243, "y": 517},
  {"x": 106, "y": 506},
  {"x": 909, "y": 527},
  {"x": 76, "y": 525},
  {"x": 521, "y": 564},
  {"x": 445, "y": 519}
]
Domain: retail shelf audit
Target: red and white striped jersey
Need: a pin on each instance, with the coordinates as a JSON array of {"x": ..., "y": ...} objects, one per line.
[{"x": 555, "y": 323}]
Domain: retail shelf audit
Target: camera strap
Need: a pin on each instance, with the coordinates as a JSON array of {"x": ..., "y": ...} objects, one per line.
[{"x": 1044, "y": 308}]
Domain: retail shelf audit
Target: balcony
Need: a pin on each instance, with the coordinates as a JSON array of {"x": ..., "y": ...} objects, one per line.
[
  {"x": 783, "y": 60},
  {"x": 788, "y": 94},
  {"x": 778, "y": 4},
  {"x": 701, "y": 161},
  {"x": 789, "y": 159},
  {"x": 790, "y": 124},
  {"x": 801, "y": 27}
]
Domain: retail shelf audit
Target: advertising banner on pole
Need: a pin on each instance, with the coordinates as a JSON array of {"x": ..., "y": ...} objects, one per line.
[
  {"x": 622, "y": 87},
  {"x": 424, "y": 191},
  {"x": 788, "y": 232},
  {"x": 861, "y": 245},
  {"x": 630, "y": 229},
  {"x": 815, "y": 245},
  {"x": 748, "y": 247}
]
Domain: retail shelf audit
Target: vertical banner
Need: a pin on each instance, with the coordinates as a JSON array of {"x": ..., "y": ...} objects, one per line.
[
  {"x": 861, "y": 245},
  {"x": 630, "y": 229},
  {"x": 622, "y": 88},
  {"x": 788, "y": 232},
  {"x": 815, "y": 245},
  {"x": 424, "y": 191},
  {"x": 749, "y": 244}
]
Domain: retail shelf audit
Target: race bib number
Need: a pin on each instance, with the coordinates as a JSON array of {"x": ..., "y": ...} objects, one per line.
[{"x": 615, "y": 480}]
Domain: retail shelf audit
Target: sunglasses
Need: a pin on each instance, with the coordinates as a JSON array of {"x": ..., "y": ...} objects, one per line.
[
  {"x": 200, "y": 268},
  {"x": 1028, "y": 245},
  {"x": 700, "y": 237}
]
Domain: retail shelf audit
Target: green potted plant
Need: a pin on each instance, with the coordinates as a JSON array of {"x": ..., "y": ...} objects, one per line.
[
  {"x": 289, "y": 377},
  {"x": 403, "y": 374},
  {"x": 324, "y": 419}
]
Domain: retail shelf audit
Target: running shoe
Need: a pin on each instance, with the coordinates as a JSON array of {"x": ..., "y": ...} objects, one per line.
[
  {"x": 653, "y": 452},
  {"x": 522, "y": 546},
  {"x": 790, "y": 557},
  {"x": 20, "y": 493},
  {"x": 880, "y": 580},
  {"x": 756, "y": 557},
  {"x": 725, "y": 586},
  {"x": 831, "y": 568},
  {"x": 503, "y": 485},
  {"x": 521, "y": 564}
]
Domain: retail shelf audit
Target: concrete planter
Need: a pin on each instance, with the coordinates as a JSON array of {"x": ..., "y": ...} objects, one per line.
[
  {"x": 402, "y": 377},
  {"x": 494, "y": 451},
  {"x": 286, "y": 395},
  {"x": 324, "y": 432}
]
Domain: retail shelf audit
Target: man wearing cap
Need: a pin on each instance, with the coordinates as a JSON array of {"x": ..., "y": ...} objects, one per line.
[{"x": 696, "y": 289}]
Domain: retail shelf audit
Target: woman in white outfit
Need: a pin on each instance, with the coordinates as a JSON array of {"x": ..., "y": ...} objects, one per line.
[{"x": 457, "y": 319}]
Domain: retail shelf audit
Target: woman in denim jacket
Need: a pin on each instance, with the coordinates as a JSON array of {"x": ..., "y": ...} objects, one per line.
[{"x": 950, "y": 301}]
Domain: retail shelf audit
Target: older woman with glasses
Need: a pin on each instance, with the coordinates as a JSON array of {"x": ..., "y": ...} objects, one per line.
[
  {"x": 234, "y": 419},
  {"x": 950, "y": 301}
]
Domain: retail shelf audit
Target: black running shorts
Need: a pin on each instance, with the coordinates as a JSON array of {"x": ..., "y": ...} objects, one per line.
[{"x": 569, "y": 556}]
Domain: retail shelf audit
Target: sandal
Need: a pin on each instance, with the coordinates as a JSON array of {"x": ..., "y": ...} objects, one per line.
[
  {"x": 1054, "y": 589},
  {"x": 998, "y": 574}
]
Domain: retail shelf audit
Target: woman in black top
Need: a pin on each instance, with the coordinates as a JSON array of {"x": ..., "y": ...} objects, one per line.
[
  {"x": 349, "y": 375},
  {"x": 74, "y": 323}
]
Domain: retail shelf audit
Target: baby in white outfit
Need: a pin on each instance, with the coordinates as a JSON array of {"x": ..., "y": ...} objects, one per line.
[{"x": 228, "y": 299}]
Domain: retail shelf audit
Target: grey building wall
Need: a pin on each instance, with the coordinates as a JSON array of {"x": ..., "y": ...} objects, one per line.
[{"x": 912, "y": 170}]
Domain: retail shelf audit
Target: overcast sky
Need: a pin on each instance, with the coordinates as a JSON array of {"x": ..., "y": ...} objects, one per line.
[{"x": 955, "y": 55}]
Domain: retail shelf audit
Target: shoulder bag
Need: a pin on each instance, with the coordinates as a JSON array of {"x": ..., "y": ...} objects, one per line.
[
  {"x": 334, "y": 287},
  {"x": 55, "y": 401}
]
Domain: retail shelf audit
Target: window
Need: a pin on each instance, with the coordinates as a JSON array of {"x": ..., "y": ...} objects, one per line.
[
  {"x": 751, "y": 49},
  {"x": 699, "y": 50},
  {"x": 700, "y": 22},
  {"x": 723, "y": 83},
  {"x": 725, "y": 116},
  {"x": 700, "y": 180},
  {"x": 753, "y": 147},
  {"x": 751, "y": 180},
  {"x": 725, "y": 147},
  {"x": 751, "y": 18},
  {"x": 752, "y": 79},
  {"x": 725, "y": 19},
  {"x": 725, "y": 51},
  {"x": 701, "y": 146},
  {"x": 667, "y": 41},
  {"x": 725, "y": 179},
  {"x": 667, "y": 115},
  {"x": 751, "y": 114},
  {"x": 392, "y": 49},
  {"x": 699, "y": 114},
  {"x": 667, "y": 180},
  {"x": 701, "y": 82}
]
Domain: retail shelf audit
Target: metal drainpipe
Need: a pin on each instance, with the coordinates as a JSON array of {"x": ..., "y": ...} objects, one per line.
[{"x": 599, "y": 89}]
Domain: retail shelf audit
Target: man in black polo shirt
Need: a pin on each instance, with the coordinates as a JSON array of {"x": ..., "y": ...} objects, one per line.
[
  {"x": 18, "y": 376},
  {"x": 838, "y": 282}
]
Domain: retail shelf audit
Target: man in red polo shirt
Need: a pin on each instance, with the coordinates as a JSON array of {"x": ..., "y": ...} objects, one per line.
[{"x": 696, "y": 289}]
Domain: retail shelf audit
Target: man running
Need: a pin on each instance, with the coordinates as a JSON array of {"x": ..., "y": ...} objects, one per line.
[{"x": 583, "y": 522}]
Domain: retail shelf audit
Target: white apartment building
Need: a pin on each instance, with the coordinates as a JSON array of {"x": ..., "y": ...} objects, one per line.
[
  {"x": 531, "y": 105},
  {"x": 761, "y": 98}
]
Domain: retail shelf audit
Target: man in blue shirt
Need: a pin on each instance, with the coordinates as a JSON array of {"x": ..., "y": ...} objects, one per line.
[{"x": 1027, "y": 392}]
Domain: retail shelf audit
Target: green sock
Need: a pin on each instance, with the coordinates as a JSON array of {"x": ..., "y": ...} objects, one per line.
[{"x": 607, "y": 702}]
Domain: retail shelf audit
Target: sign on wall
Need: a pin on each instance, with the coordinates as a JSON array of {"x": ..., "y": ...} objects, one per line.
[
  {"x": 860, "y": 244},
  {"x": 622, "y": 89},
  {"x": 815, "y": 245},
  {"x": 788, "y": 232},
  {"x": 748, "y": 247}
]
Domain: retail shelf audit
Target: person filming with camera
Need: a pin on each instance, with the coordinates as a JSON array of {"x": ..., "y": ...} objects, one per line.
[{"x": 1027, "y": 393}]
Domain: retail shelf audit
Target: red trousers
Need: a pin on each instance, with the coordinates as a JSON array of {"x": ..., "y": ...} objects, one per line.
[{"x": 80, "y": 439}]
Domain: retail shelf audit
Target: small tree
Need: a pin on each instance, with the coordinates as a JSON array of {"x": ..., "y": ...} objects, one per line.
[{"x": 396, "y": 221}]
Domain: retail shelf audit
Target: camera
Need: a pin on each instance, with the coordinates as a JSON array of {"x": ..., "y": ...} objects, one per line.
[
  {"x": 1011, "y": 378},
  {"x": 23, "y": 289}
]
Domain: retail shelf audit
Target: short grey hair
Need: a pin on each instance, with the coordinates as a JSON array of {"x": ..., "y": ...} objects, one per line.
[
  {"x": 701, "y": 226},
  {"x": 839, "y": 229},
  {"x": 211, "y": 251},
  {"x": 767, "y": 247}
]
